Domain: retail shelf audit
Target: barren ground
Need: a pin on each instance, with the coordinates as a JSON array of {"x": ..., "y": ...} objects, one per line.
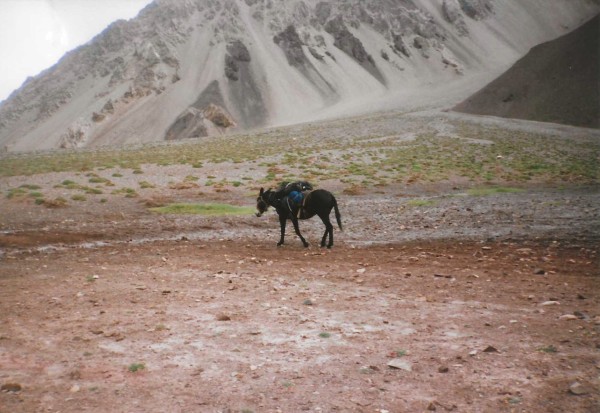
[{"x": 480, "y": 303}]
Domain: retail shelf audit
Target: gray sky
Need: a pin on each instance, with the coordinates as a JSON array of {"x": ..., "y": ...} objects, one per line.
[{"x": 35, "y": 34}]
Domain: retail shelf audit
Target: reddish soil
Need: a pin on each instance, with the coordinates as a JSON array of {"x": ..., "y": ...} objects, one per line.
[{"x": 214, "y": 317}]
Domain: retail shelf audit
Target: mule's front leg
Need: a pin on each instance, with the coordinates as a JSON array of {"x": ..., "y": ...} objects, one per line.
[
  {"x": 297, "y": 229},
  {"x": 282, "y": 223}
]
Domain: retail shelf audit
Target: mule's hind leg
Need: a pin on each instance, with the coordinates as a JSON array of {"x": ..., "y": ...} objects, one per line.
[
  {"x": 297, "y": 229},
  {"x": 328, "y": 230}
]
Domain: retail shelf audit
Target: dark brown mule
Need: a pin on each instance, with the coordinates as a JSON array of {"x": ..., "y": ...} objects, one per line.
[{"x": 318, "y": 202}]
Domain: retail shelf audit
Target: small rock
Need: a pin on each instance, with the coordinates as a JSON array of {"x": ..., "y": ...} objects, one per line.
[
  {"x": 400, "y": 364},
  {"x": 11, "y": 387},
  {"x": 443, "y": 369},
  {"x": 490, "y": 349},
  {"x": 551, "y": 302},
  {"x": 568, "y": 317},
  {"x": 473, "y": 353},
  {"x": 431, "y": 407},
  {"x": 75, "y": 388},
  {"x": 361, "y": 270},
  {"x": 223, "y": 317},
  {"x": 539, "y": 271},
  {"x": 581, "y": 297},
  {"x": 579, "y": 389}
]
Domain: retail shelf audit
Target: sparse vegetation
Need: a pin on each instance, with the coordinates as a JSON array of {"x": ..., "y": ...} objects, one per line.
[
  {"x": 203, "y": 209},
  {"x": 548, "y": 349},
  {"x": 128, "y": 192},
  {"x": 146, "y": 185},
  {"x": 369, "y": 156},
  {"x": 420, "y": 202},
  {"x": 135, "y": 367},
  {"x": 492, "y": 191}
]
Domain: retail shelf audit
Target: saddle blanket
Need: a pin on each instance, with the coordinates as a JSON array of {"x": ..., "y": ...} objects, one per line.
[{"x": 296, "y": 197}]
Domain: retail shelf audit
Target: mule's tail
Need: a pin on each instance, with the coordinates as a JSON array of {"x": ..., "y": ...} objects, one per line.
[{"x": 338, "y": 217}]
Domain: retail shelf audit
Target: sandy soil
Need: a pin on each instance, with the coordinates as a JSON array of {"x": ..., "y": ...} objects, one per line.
[{"x": 469, "y": 304}]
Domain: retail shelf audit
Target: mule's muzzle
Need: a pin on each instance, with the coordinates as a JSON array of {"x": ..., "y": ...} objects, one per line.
[{"x": 259, "y": 214}]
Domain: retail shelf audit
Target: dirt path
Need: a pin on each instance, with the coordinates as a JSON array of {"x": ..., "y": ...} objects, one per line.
[{"x": 242, "y": 326}]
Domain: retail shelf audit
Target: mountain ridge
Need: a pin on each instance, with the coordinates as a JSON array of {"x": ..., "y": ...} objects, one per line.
[
  {"x": 557, "y": 81},
  {"x": 273, "y": 62}
]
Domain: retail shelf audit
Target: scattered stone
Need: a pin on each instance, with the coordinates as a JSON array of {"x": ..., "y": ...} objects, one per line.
[
  {"x": 223, "y": 317},
  {"x": 443, "y": 369},
  {"x": 11, "y": 387},
  {"x": 431, "y": 407},
  {"x": 400, "y": 364},
  {"x": 75, "y": 388},
  {"x": 490, "y": 349},
  {"x": 539, "y": 271},
  {"x": 568, "y": 317},
  {"x": 579, "y": 389},
  {"x": 473, "y": 353},
  {"x": 361, "y": 270},
  {"x": 550, "y": 302},
  {"x": 581, "y": 297}
]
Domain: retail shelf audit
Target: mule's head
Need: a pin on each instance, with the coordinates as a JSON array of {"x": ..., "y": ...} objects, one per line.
[{"x": 261, "y": 202}]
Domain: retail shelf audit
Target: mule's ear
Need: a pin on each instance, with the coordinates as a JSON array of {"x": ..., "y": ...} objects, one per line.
[{"x": 262, "y": 191}]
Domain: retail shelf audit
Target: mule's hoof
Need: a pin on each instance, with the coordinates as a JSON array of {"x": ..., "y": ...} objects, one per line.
[
  {"x": 279, "y": 244},
  {"x": 306, "y": 245}
]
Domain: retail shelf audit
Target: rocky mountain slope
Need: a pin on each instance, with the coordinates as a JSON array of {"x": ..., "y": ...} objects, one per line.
[
  {"x": 192, "y": 68},
  {"x": 557, "y": 81}
]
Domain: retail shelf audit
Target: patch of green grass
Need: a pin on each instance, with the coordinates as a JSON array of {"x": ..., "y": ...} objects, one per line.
[
  {"x": 492, "y": 191},
  {"x": 128, "y": 192},
  {"x": 36, "y": 194},
  {"x": 548, "y": 349},
  {"x": 203, "y": 209},
  {"x": 15, "y": 193},
  {"x": 324, "y": 335},
  {"x": 135, "y": 367},
  {"x": 30, "y": 187},
  {"x": 145, "y": 185},
  {"x": 93, "y": 191},
  {"x": 98, "y": 180},
  {"x": 420, "y": 202},
  {"x": 78, "y": 197}
]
